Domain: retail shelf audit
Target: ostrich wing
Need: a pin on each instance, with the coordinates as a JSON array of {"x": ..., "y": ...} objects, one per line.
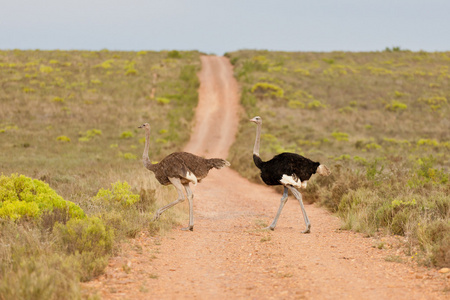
[{"x": 174, "y": 166}]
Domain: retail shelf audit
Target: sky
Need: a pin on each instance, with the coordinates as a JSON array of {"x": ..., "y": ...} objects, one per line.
[{"x": 216, "y": 27}]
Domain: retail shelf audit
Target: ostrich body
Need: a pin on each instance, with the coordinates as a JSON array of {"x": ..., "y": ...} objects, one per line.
[
  {"x": 179, "y": 169},
  {"x": 288, "y": 169}
]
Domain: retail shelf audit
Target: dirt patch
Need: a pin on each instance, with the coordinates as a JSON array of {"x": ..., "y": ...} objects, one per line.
[{"x": 228, "y": 256}]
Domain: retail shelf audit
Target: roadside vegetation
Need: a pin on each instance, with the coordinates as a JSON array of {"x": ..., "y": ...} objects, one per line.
[
  {"x": 72, "y": 185},
  {"x": 380, "y": 120}
]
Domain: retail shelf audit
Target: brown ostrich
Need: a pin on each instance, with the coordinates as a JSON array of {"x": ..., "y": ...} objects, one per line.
[{"x": 179, "y": 169}]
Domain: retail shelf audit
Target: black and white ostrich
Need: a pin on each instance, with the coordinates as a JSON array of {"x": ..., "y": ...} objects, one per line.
[
  {"x": 288, "y": 169},
  {"x": 179, "y": 169}
]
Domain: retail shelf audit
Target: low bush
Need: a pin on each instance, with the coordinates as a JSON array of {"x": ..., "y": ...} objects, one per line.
[
  {"x": 126, "y": 135},
  {"x": 396, "y": 105},
  {"x": 63, "y": 138},
  {"x": 386, "y": 200},
  {"x": 89, "y": 240},
  {"x": 120, "y": 193},
  {"x": 24, "y": 198},
  {"x": 271, "y": 90},
  {"x": 32, "y": 268}
]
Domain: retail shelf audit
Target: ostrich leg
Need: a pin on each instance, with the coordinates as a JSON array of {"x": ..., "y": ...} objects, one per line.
[
  {"x": 190, "y": 197},
  {"x": 177, "y": 184},
  {"x": 282, "y": 203},
  {"x": 298, "y": 195}
]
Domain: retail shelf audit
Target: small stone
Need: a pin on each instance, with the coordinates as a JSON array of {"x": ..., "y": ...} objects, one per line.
[{"x": 444, "y": 270}]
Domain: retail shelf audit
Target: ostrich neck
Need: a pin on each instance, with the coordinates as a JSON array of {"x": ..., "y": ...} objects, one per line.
[
  {"x": 145, "y": 159},
  {"x": 257, "y": 140}
]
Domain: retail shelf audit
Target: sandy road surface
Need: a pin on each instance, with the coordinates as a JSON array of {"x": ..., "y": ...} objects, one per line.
[{"x": 227, "y": 256}]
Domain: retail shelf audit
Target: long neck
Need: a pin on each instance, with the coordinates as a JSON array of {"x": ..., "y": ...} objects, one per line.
[
  {"x": 257, "y": 140},
  {"x": 145, "y": 159}
]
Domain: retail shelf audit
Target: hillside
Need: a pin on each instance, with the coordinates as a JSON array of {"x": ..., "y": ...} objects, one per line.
[{"x": 379, "y": 120}]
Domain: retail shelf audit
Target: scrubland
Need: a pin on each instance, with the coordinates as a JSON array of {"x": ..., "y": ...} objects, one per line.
[
  {"x": 72, "y": 183},
  {"x": 73, "y": 187},
  {"x": 380, "y": 120}
]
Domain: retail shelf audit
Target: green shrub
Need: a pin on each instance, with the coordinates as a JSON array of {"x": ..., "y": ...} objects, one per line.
[
  {"x": 398, "y": 94},
  {"x": 96, "y": 81},
  {"x": 395, "y": 214},
  {"x": 174, "y": 54},
  {"x": 120, "y": 193},
  {"x": 89, "y": 134},
  {"x": 435, "y": 241},
  {"x": 46, "y": 69},
  {"x": 23, "y": 197},
  {"x": 265, "y": 88},
  {"x": 434, "y": 102},
  {"x": 428, "y": 173},
  {"x": 50, "y": 277},
  {"x": 126, "y": 135},
  {"x": 316, "y": 104},
  {"x": 28, "y": 90},
  {"x": 162, "y": 100},
  {"x": 131, "y": 72},
  {"x": 296, "y": 104},
  {"x": 188, "y": 74},
  {"x": 428, "y": 142},
  {"x": 340, "y": 136},
  {"x": 89, "y": 240},
  {"x": 128, "y": 156},
  {"x": 302, "y": 72},
  {"x": 396, "y": 106},
  {"x": 357, "y": 210},
  {"x": 63, "y": 138},
  {"x": 107, "y": 64},
  {"x": 58, "y": 99},
  {"x": 373, "y": 146}
]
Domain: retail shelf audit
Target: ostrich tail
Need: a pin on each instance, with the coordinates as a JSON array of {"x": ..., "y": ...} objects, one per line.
[
  {"x": 218, "y": 163},
  {"x": 323, "y": 170}
]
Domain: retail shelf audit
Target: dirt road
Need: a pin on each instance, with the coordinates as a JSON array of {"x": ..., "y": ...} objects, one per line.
[{"x": 228, "y": 256}]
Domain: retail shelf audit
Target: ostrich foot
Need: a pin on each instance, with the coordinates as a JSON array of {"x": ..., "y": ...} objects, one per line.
[
  {"x": 307, "y": 230},
  {"x": 191, "y": 228},
  {"x": 269, "y": 227},
  {"x": 156, "y": 216}
]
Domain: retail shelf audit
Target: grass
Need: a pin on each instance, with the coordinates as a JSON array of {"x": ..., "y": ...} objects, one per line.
[
  {"x": 394, "y": 258},
  {"x": 378, "y": 119},
  {"x": 69, "y": 119}
]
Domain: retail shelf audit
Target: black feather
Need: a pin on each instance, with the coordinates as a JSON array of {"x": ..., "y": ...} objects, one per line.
[{"x": 290, "y": 164}]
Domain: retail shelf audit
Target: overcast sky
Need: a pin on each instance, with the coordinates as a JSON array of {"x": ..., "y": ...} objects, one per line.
[{"x": 217, "y": 27}]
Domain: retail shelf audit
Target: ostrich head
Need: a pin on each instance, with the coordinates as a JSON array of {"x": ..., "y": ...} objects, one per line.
[
  {"x": 145, "y": 126},
  {"x": 256, "y": 120},
  {"x": 323, "y": 170}
]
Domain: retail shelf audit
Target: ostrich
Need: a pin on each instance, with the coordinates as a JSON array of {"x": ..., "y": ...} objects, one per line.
[
  {"x": 179, "y": 169},
  {"x": 288, "y": 169}
]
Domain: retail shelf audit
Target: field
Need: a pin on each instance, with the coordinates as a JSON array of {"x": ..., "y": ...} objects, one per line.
[
  {"x": 379, "y": 120},
  {"x": 69, "y": 119}
]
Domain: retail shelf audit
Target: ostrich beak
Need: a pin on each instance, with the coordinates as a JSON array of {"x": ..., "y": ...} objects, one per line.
[
  {"x": 253, "y": 120},
  {"x": 141, "y": 126}
]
